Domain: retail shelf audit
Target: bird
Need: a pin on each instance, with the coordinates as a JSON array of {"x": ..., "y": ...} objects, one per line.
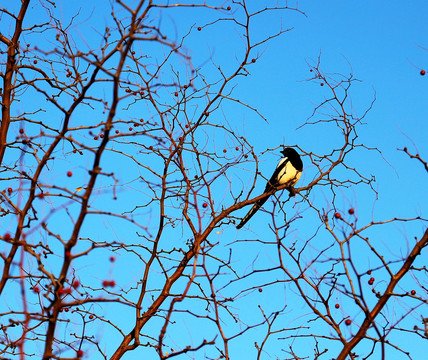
[{"x": 288, "y": 171}]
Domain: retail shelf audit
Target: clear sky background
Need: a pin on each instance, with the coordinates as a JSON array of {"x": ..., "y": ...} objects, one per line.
[{"x": 384, "y": 44}]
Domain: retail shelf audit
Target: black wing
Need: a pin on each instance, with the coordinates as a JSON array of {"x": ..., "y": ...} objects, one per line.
[{"x": 274, "y": 181}]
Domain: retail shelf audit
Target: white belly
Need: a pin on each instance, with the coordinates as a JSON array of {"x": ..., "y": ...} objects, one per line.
[{"x": 289, "y": 174}]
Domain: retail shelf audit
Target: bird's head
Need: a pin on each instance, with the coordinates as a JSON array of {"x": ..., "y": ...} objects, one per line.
[
  {"x": 289, "y": 152},
  {"x": 293, "y": 156}
]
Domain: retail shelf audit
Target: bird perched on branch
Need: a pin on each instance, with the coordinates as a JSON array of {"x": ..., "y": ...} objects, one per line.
[{"x": 288, "y": 171}]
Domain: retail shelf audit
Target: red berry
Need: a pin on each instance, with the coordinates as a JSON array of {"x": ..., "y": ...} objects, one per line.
[
  {"x": 66, "y": 309},
  {"x": 63, "y": 291},
  {"x": 133, "y": 52},
  {"x": 76, "y": 283},
  {"x": 246, "y": 156},
  {"x": 79, "y": 353},
  {"x": 337, "y": 306},
  {"x": 117, "y": 131},
  {"x": 369, "y": 272},
  {"x": 237, "y": 148},
  {"x": 95, "y": 137},
  {"x": 348, "y": 322},
  {"x": 176, "y": 93},
  {"x": 422, "y": 72},
  {"x": 112, "y": 258},
  {"x": 67, "y": 254},
  {"x": 21, "y": 131},
  {"x": 36, "y": 289},
  {"x": 371, "y": 281},
  {"x": 107, "y": 283},
  {"x": 337, "y": 215},
  {"x": 141, "y": 120},
  {"x": 9, "y": 190},
  {"x": 102, "y": 136},
  {"x": 35, "y": 61},
  {"x": 225, "y": 151},
  {"x": 260, "y": 289},
  {"x": 199, "y": 28},
  {"x": 186, "y": 126},
  {"x": 91, "y": 316},
  {"x": 413, "y": 292},
  {"x": 205, "y": 205},
  {"x": 322, "y": 84},
  {"x": 69, "y": 174},
  {"x": 351, "y": 211},
  {"x": 130, "y": 129},
  {"x": 228, "y": 8},
  {"x": 151, "y": 147},
  {"x": 253, "y": 60},
  {"x": 6, "y": 236}
]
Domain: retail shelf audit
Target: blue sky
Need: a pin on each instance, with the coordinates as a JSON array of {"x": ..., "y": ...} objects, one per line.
[{"x": 382, "y": 43}]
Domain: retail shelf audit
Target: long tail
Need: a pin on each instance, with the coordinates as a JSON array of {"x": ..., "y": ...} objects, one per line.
[{"x": 257, "y": 205}]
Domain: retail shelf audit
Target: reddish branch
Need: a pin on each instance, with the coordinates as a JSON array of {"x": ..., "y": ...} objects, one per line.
[
  {"x": 371, "y": 315},
  {"x": 12, "y": 54},
  {"x": 417, "y": 157},
  {"x": 197, "y": 209}
]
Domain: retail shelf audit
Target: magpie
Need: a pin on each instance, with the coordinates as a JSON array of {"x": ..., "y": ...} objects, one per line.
[{"x": 288, "y": 171}]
